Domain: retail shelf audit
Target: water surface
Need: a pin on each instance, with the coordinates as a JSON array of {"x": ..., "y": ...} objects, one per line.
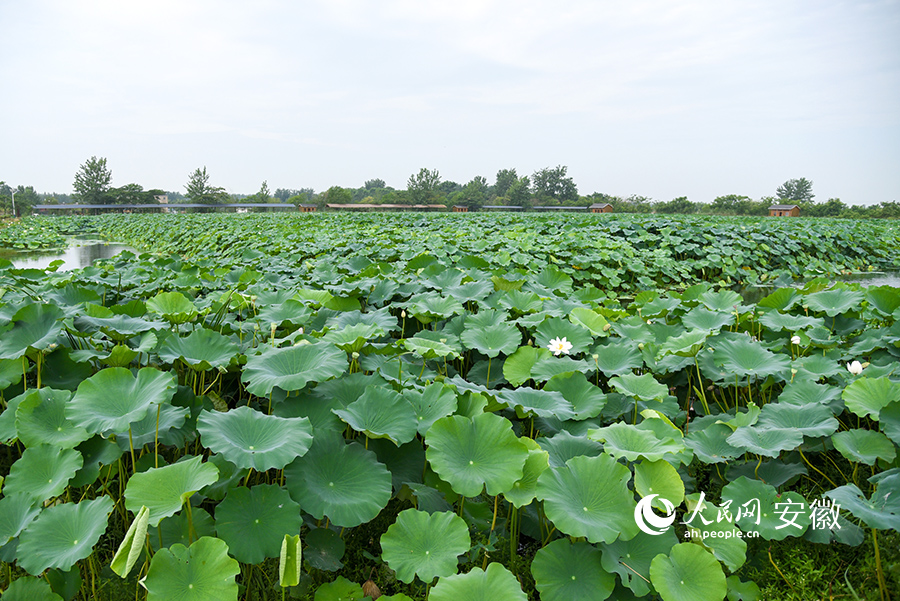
[{"x": 80, "y": 253}]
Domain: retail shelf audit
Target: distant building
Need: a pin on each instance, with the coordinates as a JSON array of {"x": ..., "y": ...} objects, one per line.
[
  {"x": 307, "y": 208},
  {"x": 601, "y": 208},
  {"x": 162, "y": 199},
  {"x": 460, "y": 209},
  {"x": 784, "y": 211}
]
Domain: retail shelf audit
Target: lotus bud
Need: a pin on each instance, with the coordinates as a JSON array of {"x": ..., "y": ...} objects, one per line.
[
  {"x": 301, "y": 331},
  {"x": 403, "y": 313},
  {"x": 641, "y": 346},
  {"x": 855, "y": 368},
  {"x": 606, "y": 328},
  {"x": 795, "y": 340},
  {"x": 256, "y": 326},
  {"x": 272, "y": 326},
  {"x": 354, "y": 355},
  {"x": 595, "y": 356}
]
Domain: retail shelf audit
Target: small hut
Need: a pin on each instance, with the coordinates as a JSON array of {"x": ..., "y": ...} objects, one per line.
[
  {"x": 784, "y": 211},
  {"x": 307, "y": 208},
  {"x": 460, "y": 209},
  {"x": 601, "y": 207}
]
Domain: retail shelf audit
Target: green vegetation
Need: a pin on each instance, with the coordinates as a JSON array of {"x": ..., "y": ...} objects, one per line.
[{"x": 447, "y": 406}]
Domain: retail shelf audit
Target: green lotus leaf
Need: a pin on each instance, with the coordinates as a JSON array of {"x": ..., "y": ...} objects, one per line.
[
  {"x": 868, "y": 396},
  {"x": 474, "y": 453},
  {"x": 493, "y": 339},
  {"x": 532, "y": 401},
  {"x": 164, "y": 490},
  {"x": 340, "y": 589},
  {"x": 743, "y": 357},
  {"x": 342, "y": 481},
  {"x": 494, "y": 584},
  {"x": 17, "y": 510},
  {"x": 291, "y": 368},
  {"x": 563, "y": 446},
  {"x": 548, "y": 366},
  {"x": 353, "y": 337},
  {"x": 423, "y": 545},
  {"x": 252, "y": 439},
  {"x": 587, "y": 399},
  {"x": 765, "y": 442},
  {"x": 722, "y": 300},
  {"x": 777, "y": 322},
  {"x": 885, "y": 299},
  {"x": 381, "y": 413},
  {"x": 117, "y": 327},
  {"x": 688, "y": 573},
  {"x": 781, "y": 299},
  {"x": 8, "y": 417},
  {"x": 41, "y": 419},
  {"x": 595, "y": 323},
  {"x": 165, "y": 420},
  {"x": 290, "y": 311},
  {"x": 43, "y": 472},
  {"x": 634, "y": 442},
  {"x": 686, "y": 345},
  {"x": 324, "y": 550},
  {"x": 555, "y": 327},
  {"x": 709, "y": 444},
  {"x": 201, "y": 572},
  {"x": 805, "y": 392},
  {"x": 658, "y": 478},
  {"x": 290, "y": 562},
  {"x": 835, "y": 301},
  {"x": 589, "y": 497},
  {"x": 62, "y": 535},
  {"x": 742, "y": 591},
  {"x": 181, "y": 529},
  {"x": 712, "y": 528},
  {"x": 630, "y": 559},
  {"x": 564, "y": 571},
  {"x": 200, "y": 350},
  {"x": 431, "y": 306},
  {"x": 10, "y": 372},
  {"x": 643, "y": 387},
  {"x": 889, "y": 420},
  {"x": 113, "y": 398},
  {"x": 174, "y": 307},
  {"x": 757, "y": 506},
  {"x": 865, "y": 446},
  {"x": 810, "y": 420},
  {"x": 431, "y": 345},
  {"x": 517, "y": 367},
  {"x": 431, "y": 404},
  {"x": 254, "y": 521},
  {"x": 701, "y": 318},
  {"x": 35, "y": 327},
  {"x": 881, "y": 511},
  {"x": 29, "y": 588},
  {"x": 132, "y": 544}
]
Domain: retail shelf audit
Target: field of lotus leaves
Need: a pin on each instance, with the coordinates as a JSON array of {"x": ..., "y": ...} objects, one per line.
[{"x": 500, "y": 407}]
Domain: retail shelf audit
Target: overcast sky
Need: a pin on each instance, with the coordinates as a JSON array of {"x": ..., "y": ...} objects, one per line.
[{"x": 661, "y": 98}]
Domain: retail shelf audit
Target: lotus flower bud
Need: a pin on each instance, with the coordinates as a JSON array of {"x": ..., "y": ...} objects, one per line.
[
  {"x": 355, "y": 355},
  {"x": 855, "y": 368},
  {"x": 403, "y": 313},
  {"x": 641, "y": 346},
  {"x": 606, "y": 328},
  {"x": 301, "y": 331},
  {"x": 795, "y": 340},
  {"x": 595, "y": 356}
]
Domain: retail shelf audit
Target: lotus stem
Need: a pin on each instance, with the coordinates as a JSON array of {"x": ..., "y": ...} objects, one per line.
[
  {"x": 488, "y": 384},
  {"x": 24, "y": 373},
  {"x": 156, "y": 439},
  {"x": 493, "y": 524},
  {"x": 882, "y": 586},
  {"x": 131, "y": 448}
]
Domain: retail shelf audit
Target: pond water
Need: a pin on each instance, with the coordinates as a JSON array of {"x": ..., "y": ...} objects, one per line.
[
  {"x": 80, "y": 253},
  {"x": 753, "y": 294}
]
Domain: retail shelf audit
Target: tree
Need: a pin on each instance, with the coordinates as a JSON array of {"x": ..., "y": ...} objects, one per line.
[
  {"x": 505, "y": 179},
  {"x": 475, "y": 192},
  {"x": 263, "y": 195},
  {"x": 797, "y": 190},
  {"x": 422, "y": 186},
  {"x": 92, "y": 182},
  {"x": 552, "y": 183},
  {"x": 519, "y": 192},
  {"x": 199, "y": 191},
  {"x": 678, "y": 206},
  {"x": 338, "y": 195},
  {"x": 374, "y": 184}
]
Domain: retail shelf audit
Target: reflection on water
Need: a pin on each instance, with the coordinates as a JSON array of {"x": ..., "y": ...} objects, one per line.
[
  {"x": 753, "y": 294},
  {"x": 81, "y": 254}
]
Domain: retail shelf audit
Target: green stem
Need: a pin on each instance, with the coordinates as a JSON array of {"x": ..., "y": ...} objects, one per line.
[{"x": 131, "y": 448}]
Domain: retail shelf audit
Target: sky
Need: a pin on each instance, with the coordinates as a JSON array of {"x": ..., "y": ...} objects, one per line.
[{"x": 659, "y": 98}]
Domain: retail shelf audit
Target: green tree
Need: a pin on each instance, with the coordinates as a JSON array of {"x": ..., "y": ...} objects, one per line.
[
  {"x": 92, "y": 182},
  {"x": 552, "y": 184},
  {"x": 422, "y": 187},
  {"x": 797, "y": 190},
  {"x": 198, "y": 190},
  {"x": 519, "y": 192},
  {"x": 25, "y": 198},
  {"x": 374, "y": 184},
  {"x": 677, "y": 206},
  {"x": 263, "y": 195},
  {"x": 475, "y": 193},
  {"x": 338, "y": 195},
  {"x": 505, "y": 179}
]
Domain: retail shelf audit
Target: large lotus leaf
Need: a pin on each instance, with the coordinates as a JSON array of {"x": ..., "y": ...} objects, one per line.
[
  {"x": 765, "y": 442},
  {"x": 595, "y": 323},
  {"x": 517, "y": 367},
  {"x": 431, "y": 306},
  {"x": 811, "y": 420},
  {"x": 658, "y": 478},
  {"x": 532, "y": 401},
  {"x": 201, "y": 572},
  {"x": 563, "y": 446},
  {"x": 28, "y": 588},
  {"x": 743, "y": 357},
  {"x": 381, "y": 413},
  {"x": 721, "y": 300},
  {"x": 41, "y": 419},
  {"x": 43, "y": 472},
  {"x": 555, "y": 327},
  {"x": 815, "y": 367},
  {"x": 342, "y": 481},
  {"x": 10, "y": 372},
  {"x": 868, "y": 396},
  {"x": 164, "y": 490},
  {"x": 494, "y": 584},
  {"x": 17, "y": 510},
  {"x": 432, "y": 345},
  {"x": 493, "y": 339},
  {"x": 181, "y": 528},
  {"x": 630, "y": 559},
  {"x": 8, "y": 417},
  {"x": 834, "y": 302},
  {"x": 564, "y": 571},
  {"x": 686, "y": 345},
  {"x": 201, "y": 350},
  {"x": 805, "y": 392},
  {"x": 113, "y": 398},
  {"x": 254, "y": 521},
  {"x": 712, "y": 527},
  {"x": 643, "y": 387},
  {"x": 634, "y": 442},
  {"x": 781, "y": 299},
  {"x": 431, "y": 404},
  {"x": 589, "y": 497},
  {"x": 522, "y": 491},
  {"x": 885, "y": 299},
  {"x": 117, "y": 327},
  {"x": 775, "y": 321},
  {"x": 709, "y": 443},
  {"x": 62, "y": 535},
  {"x": 166, "y": 421},
  {"x": 252, "y": 439},
  {"x": 866, "y": 446},
  {"x": 688, "y": 573},
  {"x": 291, "y": 368},
  {"x": 474, "y": 453},
  {"x": 173, "y": 306},
  {"x": 290, "y": 311},
  {"x": 587, "y": 399},
  {"x": 354, "y": 337},
  {"x": 701, "y": 318},
  {"x": 423, "y": 545},
  {"x": 35, "y": 327},
  {"x": 548, "y": 366},
  {"x": 889, "y": 420},
  {"x": 758, "y": 507},
  {"x": 324, "y": 550},
  {"x": 882, "y": 511}
]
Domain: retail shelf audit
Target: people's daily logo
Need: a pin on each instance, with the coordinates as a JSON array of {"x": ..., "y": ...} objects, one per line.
[{"x": 646, "y": 518}]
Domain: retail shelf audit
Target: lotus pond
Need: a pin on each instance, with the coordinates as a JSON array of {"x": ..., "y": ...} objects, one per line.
[{"x": 503, "y": 407}]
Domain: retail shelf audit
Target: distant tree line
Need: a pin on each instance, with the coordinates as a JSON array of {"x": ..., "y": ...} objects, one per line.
[{"x": 550, "y": 186}]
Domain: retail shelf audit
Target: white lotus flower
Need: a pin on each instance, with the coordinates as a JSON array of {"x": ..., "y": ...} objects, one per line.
[
  {"x": 560, "y": 346},
  {"x": 855, "y": 368},
  {"x": 795, "y": 340}
]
